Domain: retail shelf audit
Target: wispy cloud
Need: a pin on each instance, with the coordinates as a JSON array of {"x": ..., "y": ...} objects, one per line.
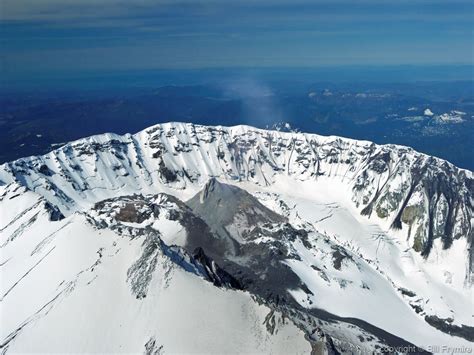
[
  {"x": 65, "y": 10},
  {"x": 190, "y": 33}
]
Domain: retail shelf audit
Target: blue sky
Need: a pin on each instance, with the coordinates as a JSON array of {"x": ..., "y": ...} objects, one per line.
[{"x": 46, "y": 36}]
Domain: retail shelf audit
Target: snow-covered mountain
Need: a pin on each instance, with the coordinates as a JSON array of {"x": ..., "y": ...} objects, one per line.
[{"x": 186, "y": 238}]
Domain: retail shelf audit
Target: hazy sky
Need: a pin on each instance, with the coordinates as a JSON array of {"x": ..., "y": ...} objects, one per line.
[{"x": 72, "y": 35}]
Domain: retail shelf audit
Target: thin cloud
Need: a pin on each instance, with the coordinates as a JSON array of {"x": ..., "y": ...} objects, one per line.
[
  {"x": 65, "y": 10},
  {"x": 95, "y": 34}
]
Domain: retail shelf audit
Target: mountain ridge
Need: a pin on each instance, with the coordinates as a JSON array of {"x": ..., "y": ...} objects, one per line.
[{"x": 425, "y": 196}]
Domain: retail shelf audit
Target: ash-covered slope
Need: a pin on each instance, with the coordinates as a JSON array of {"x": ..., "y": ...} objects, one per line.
[
  {"x": 249, "y": 240},
  {"x": 232, "y": 212}
]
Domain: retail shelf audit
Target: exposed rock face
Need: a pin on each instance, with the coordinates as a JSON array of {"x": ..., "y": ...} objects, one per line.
[
  {"x": 214, "y": 272},
  {"x": 445, "y": 325}
]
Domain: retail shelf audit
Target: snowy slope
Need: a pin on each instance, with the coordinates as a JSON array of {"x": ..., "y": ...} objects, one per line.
[
  {"x": 383, "y": 224},
  {"x": 68, "y": 286},
  {"x": 379, "y": 278},
  {"x": 426, "y": 197}
]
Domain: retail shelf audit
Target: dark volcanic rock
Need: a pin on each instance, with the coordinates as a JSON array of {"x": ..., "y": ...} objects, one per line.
[
  {"x": 445, "y": 325},
  {"x": 214, "y": 272},
  {"x": 222, "y": 206}
]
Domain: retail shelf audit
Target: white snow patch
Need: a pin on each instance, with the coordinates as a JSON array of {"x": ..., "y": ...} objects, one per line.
[{"x": 428, "y": 112}]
